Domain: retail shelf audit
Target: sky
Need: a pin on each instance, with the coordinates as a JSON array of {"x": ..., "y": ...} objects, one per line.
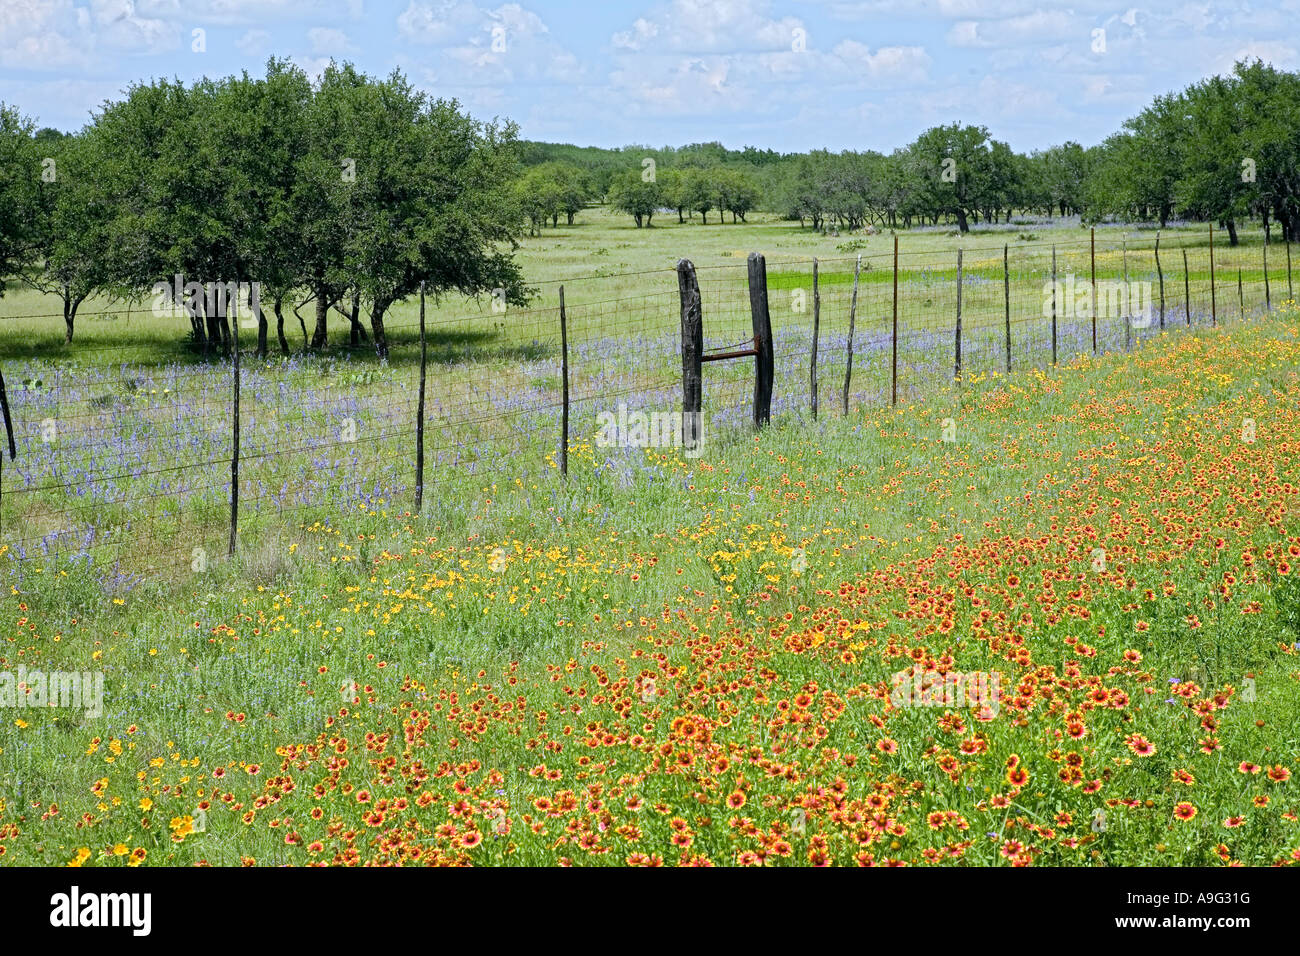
[{"x": 789, "y": 75}]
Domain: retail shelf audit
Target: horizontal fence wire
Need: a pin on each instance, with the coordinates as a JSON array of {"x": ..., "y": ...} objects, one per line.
[{"x": 124, "y": 437}]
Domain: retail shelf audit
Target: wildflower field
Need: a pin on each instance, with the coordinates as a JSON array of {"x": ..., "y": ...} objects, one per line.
[{"x": 697, "y": 661}]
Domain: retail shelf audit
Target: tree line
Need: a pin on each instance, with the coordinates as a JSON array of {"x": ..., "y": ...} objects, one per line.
[
  {"x": 354, "y": 192},
  {"x": 351, "y": 190},
  {"x": 1225, "y": 150}
]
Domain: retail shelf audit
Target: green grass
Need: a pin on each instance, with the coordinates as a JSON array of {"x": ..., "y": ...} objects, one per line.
[
  {"x": 250, "y": 636},
  {"x": 346, "y": 585}
]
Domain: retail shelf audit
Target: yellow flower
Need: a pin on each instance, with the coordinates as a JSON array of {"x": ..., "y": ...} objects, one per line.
[
  {"x": 146, "y": 804},
  {"x": 181, "y": 827}
]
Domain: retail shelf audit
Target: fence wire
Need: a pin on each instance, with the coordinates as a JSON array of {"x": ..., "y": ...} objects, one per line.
[{"x": 124, "y": 458}]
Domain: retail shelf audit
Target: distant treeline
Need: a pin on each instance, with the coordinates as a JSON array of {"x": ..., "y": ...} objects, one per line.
[
  {"x": 354, "y": 191},
  {"x": 1224, "y": 150}
]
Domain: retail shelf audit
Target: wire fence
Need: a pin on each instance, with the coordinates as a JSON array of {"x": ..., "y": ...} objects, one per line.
[{"x": 125, "y": 457}]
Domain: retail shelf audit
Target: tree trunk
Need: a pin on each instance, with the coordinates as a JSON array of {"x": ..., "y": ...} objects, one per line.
[
  {"x": 377, "y": 328},
  {"x": 354, "y": 320},
  {"x": 261, "y": 323},
  {"x": 320, "y": 336},
  {"x": 279, "y": 324},
  {"x": 962, "y": 224},
  {"x": 214, "y": 328},
  {"x": 195, "y": 311},
  {"x": 1231, "y": 226},
  {"x": 69, "y": 314}
]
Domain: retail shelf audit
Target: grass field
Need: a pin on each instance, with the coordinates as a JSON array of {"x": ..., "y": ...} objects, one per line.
[{"x": 667, "y": 660}]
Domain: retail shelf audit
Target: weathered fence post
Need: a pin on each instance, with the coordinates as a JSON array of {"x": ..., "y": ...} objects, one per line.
[
  {"x": 9, "y": 433},
  {"x": 764, "y": 362},
  {"x": 419, "y": 413},
  {"x": 1006, "y": 300},
  {"x": 853, "y": 311},
  {"x": 564, "y": 379},
  {"x": 1241, "y": 296},
  {"x": 1290, "y": 293},
  {"x": 1187, "y": 288},
  {"x": 893, "y": 393},
  {"x": 1054, "y": 290},
  {"x": 1128, "y": 325},
  {"x": 1214, "y": 304},
  {"x": 1268, "y": 292},
  {"x": 817, "y": 318},
  {"x": 1092, "y": 245},
  {"x": 1161, "y": 273},
  {"x": 956, "y": 368},
  {"x": 692, "y": 353},
  {"x": 9, "y": 424},
  {"x": 234, "y": 451}
]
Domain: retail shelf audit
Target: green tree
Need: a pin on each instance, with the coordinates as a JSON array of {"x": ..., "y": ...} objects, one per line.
[
  {"x": 74, "y": 224},
  {"x": 434, "y": 202},
  {"x": 951, "y": 168},
  {"x": 19, "y": 193},
  {"x": 636, "y": 196}
]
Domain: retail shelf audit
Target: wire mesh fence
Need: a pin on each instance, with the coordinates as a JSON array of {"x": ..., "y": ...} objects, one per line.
[{"x": 124, "y": 451}]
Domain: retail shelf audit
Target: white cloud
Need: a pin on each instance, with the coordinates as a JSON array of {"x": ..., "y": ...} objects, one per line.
[
  {"x": 121, "y": 27},
  {"x": 1043, "y": 25},
  {"x": 254, "y": 42},
  {"x": 635, "y": 39},
  {"x": 909, "y": 64},
  {"x": 711, "y": 25},
  {"x": 327, "y": 40},
  {"x": 1275, "y": 52},
  {"x": 423, "y": 23}
]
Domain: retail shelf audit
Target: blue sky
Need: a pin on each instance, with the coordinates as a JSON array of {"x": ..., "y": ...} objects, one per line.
[{"x": 788, "y": 74}]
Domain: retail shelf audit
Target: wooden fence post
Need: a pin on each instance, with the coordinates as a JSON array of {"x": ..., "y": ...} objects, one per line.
[
  {"x": 564, "y": 378},
  {"x": 894, "y": 375},
  {"x": 817, "y": 317},
  {"x": 1054, "y": 288},
  {"x": 234, "y": 450},
  {"x": 419, "y": 413},
  {"x": 1161, "y": 273},
  {"x": 1268, "y": 292},
  {"x": 9, "y": 424},
  {"x": 1092, "y": 245},
  {"x": 1241, "y": 296},
  {"x": 1128, "y": 325},
  {"x": 853, "y": 311},
  {"x": 1290, "y": 293},
  {"x": 1006, "y": 299},
  {"x": 1214, "y": 304},
  {"x": 1187, "y": 288},
  {"x": 764, "y": 362},
  {"x": 692, "y": 353},
  {"x": 956, "y": 368},
  {"x": 9, "y": 433}
]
